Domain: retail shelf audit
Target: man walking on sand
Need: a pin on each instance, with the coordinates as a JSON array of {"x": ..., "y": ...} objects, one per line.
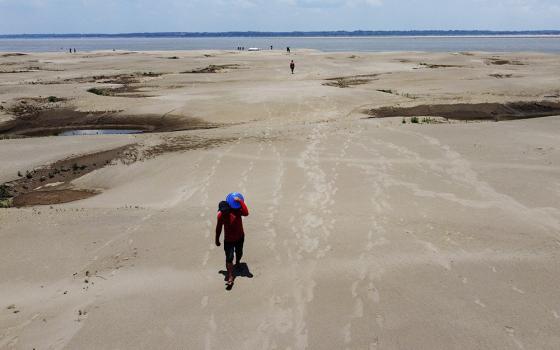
[
  {"x": 292, "y": 66},
  {"x": 230, "y": 213}
]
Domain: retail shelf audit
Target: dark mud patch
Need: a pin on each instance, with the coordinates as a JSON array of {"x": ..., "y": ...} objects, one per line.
[
  {"x": 436, "y": 66},
  {"x": 52, "y": 122},
  {"x": 27, "y": 69},
  {"x": 33, "y": 105},
  {"x": 349, "y": 81},
  {"x": 501, "y": 62},
  {"x": 213, "y": 68},
  {"x": 500, "y": 76},
  {"x": 386, "y": 91},
  {"x": 396, "y": 93},
  {"x": 183, "y": 143},
  {"x": 475, "y": 111},
  {"x": 51, "y": 197},
  {"x": 23, "y": 70},
  {"x": 51, "y": 184},
  {"x": 15, "y": 71},
  {"x": 113, "y": 79},
  {"x": 130, "y": 84},
  {"x": 120, "y": 79},
  {"x": 13, "y": 54},
  {"x": 121, "y": 91}
]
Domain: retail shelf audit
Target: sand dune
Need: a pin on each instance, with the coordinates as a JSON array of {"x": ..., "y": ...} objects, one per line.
[{"x": 364, "y": 233}]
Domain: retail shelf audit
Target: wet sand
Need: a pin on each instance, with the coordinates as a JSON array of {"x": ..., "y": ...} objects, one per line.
[{"x": 365, "y": 232}]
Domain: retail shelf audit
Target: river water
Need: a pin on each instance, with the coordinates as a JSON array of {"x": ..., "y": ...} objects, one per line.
[{"x": 550, "y": 44}]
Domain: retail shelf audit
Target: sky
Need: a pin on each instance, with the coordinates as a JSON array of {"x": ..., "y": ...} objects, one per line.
[{"x": 126, "y": 16}]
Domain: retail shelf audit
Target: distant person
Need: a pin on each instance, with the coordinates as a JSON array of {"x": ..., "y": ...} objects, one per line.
[
  {"x": 74, "y": 50},
  {"x": 292, "y": 66},
  {"x": 70, "y": 50},
  {"x": 271, "y": 47},
  {"x": 288, "y": 49},
  {"x": 230, "y": 213}
]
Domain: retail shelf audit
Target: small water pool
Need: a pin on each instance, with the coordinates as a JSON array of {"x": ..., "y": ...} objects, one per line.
[{"x": 100, "y": 132}]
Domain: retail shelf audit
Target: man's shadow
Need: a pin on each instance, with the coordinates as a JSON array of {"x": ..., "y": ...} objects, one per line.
[{"x": 241, "y": 270}]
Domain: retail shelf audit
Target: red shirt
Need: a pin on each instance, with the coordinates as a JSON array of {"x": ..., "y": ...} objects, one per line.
[{"x": 232, "y": 223}]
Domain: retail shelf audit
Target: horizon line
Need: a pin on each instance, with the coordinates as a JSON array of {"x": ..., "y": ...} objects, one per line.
[{"x": 252, "y": 33}]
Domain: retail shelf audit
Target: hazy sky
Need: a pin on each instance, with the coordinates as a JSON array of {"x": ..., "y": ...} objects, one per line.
[{"x": 119, "y": 16}]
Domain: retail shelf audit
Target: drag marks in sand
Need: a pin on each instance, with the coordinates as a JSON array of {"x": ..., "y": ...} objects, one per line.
[
  {"x": 275, "y": 199},
  {"x": 311, "y": 223},
  {"x": 311, "y": 232},
  {"x": 459, "y": 169},
  {"x": 365, "y": 323},
  {"x": 60, "y": 307}
]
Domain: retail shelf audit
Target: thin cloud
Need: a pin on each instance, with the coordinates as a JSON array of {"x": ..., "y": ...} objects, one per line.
[{"x": 111, "y": 16}]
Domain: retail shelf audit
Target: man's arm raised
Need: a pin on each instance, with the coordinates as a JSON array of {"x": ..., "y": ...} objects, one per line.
[{"x": 244, "y": 209}]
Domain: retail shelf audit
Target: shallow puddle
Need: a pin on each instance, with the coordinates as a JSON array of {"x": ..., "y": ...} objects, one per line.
[{"x": 99, "y": 132}]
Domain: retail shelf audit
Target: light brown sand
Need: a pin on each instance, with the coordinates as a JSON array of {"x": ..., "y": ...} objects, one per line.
[{"x": 363, "y": 233}]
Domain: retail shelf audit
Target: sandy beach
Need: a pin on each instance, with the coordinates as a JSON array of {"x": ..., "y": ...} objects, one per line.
[{"x": 397, "y": 200}]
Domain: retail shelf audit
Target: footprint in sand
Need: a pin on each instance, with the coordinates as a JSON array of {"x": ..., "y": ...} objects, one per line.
[
  {"x": 204, "y": 301},
  {"x": 509, "y": 330},
  {"x": 479, "y": 303}
]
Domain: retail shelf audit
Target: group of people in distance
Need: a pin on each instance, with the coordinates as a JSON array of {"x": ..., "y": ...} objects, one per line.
[{"x": 288, "y": 50}]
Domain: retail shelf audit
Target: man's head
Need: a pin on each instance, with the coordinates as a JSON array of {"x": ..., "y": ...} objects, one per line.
[{"x": 224, "y": 207}]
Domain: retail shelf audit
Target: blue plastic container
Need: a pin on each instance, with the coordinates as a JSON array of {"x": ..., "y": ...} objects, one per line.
[{"x": 232, "y": 203}]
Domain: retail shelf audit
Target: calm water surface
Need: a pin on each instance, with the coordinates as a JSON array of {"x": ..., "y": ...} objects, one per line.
[
  {"x": 98, "y": 132},
  {"x": 430, "y": 44}
]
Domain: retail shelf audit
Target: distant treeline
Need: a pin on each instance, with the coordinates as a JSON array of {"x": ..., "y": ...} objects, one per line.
[{"x": 356, "y": 33}]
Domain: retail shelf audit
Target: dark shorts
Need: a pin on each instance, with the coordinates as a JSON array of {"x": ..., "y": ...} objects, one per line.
[{"x": 231, "y": 247}]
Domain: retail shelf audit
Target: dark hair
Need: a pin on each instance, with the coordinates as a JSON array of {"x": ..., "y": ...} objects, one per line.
[{"x": 224, "y": 207}]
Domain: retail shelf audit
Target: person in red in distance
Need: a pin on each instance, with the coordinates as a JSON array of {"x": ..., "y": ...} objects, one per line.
[{"x": 234, "y": 236}]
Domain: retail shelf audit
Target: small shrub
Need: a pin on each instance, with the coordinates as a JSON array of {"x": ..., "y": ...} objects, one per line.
[
  {"x": 4, "y": 192},
  {"x": 100, "y": 92},
  {"x": 52, "y": 99},
  {"x": 5, "y": 203},
  {"x": 28, "y": 175},
  {"x": 414, "y": 120},
  {"x": 403, "y": 121}
]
